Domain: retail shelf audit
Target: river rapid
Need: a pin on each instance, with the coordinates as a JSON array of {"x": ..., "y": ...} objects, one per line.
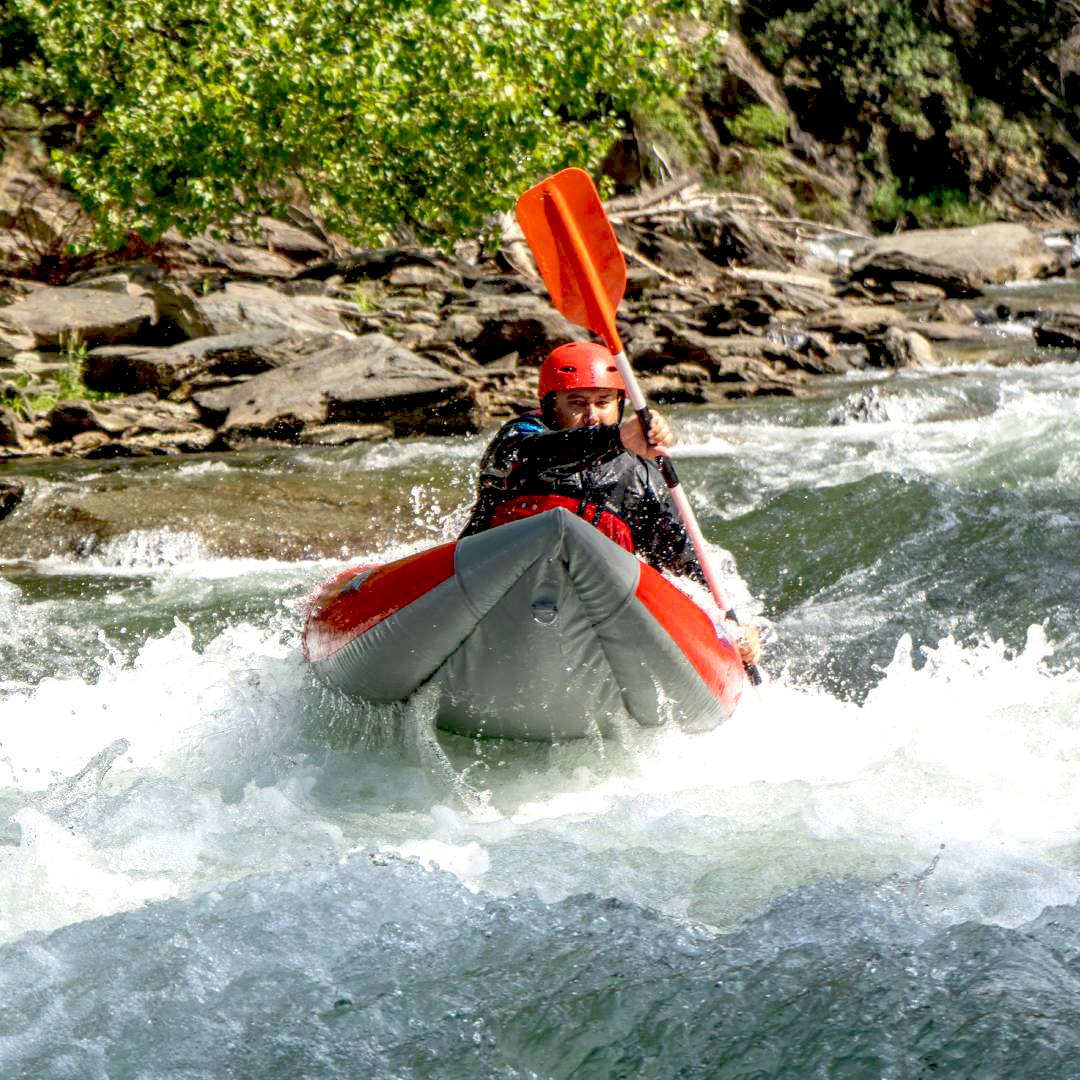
[{"x": 211, "y": 866}]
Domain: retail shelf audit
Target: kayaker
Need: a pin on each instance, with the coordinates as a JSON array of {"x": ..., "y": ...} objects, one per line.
[{"x": 579, "y": 452}]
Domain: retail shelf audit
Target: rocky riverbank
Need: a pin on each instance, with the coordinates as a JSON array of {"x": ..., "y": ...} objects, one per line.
[{"x": 290, "y": 336}]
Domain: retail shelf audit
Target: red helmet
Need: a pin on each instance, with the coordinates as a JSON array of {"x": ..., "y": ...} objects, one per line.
[{"x": 581, "y": 365}]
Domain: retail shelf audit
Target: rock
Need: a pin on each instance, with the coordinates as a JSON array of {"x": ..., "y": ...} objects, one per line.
[
  {"x": 951, "y": 311},
  {"x": 817, "y": 285},
  {"x": 459, "y": 329},
  {"x": 421, "y": 277},
  {"x": 960, "y": 260},
  {"x": 882, "y": 270},
  {"x": 130, "y": 417},
  {"x": 343, "y": 380},
  {"x": 1059, "y": 331},
  {"x": 864, "y": 407},
  {"x": 371, "y": 264},
  {"x": 945, "y": 331},
  {"x": 130, "y": 369},
  {"x": 12, "y": 429},
  {"x": 343, "y": 434},
  {"x": 524, "y": 324},
  {"x": 857, "y": 322},
  {"x": 11, "y": 491},
  {"x": 12, "y": 343},
  {"x": 243, "y": 260},
  {"x": 242, "y": 308},
  {"x": 906, "y": 348},
  {"x": 295, "y": 243},
  {"x": 176, "y": 309},
  {"x": 155, "y": 444},
  {"x": 55, "y": 317}
]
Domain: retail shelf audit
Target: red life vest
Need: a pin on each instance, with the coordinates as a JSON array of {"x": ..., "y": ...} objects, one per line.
[{"x": 523, "y": 506}]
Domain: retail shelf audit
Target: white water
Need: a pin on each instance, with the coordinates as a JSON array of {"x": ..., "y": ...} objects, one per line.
[{"x": 971, "y": 761}]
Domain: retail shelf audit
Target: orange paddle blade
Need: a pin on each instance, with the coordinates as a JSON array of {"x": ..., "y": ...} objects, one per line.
[{"x": 575, "y": 250}]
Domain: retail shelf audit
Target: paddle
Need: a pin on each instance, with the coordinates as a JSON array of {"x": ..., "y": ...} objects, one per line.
[{"x": 579, "y": 259}]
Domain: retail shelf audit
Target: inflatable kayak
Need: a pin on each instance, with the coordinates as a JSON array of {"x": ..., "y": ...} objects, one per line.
[{"x": 539, "y": 629}]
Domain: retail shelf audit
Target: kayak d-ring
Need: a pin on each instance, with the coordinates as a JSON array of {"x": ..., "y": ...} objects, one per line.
[{"x": 544, "y": 611}]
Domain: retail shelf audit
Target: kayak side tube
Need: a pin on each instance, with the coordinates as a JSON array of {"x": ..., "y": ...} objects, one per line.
[{"x": 542, "y": 628}]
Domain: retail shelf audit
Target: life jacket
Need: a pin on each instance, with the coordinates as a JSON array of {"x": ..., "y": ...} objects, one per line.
[{"x": 523, "y": 506}]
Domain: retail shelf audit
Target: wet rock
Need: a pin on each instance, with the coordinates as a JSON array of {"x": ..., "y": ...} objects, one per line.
[
  {"x": 53, "y": 317},
  {"x": 865, "y": 407},
  {"x": 1059, "y": 331},
  {"x": 951, "y": 311},
  {"x": 343, "y": 434},
  {"x": 905, "y": 348},
  {"x": 945, "y": 331},
  {"x": 155, "y": 444},
  {"x": 11, "y": 493}
]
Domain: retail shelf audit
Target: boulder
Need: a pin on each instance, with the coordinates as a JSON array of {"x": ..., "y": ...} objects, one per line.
[
  {"x": 525, "y": 324},
  {"x": 11, "y": 493},
  {"x": 905, "y": 348},
  {"x": 364, "y": 379},
  {"x": 124, "y": 417},
  {"x": 242, "y": 260},
  {"x": 55, "y": 317},
  {"x": 295, "y": 243},
  {"x": 12, "y": 429},
  {"x": 960, "y": 260},
  {"x": 857, "y": 322},
  {"x": 343, "y": 434},
  {"x": 12, "y": 343},
  {"x": 244, "y": 307},
  {"x": 372, "y": 264},
  {"x": 133, "y": 369},
  {"x": 1059, "y": 331}
]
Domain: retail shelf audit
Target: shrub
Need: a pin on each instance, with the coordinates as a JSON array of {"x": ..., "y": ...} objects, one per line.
[
  {"x": 382, "y": 114},
  {"x": 757, "y": 125}
]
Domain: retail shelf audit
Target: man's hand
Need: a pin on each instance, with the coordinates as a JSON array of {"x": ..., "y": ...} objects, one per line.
[
  {"x": 748, "y": 642},
  {"x": 660, "y": 438}
]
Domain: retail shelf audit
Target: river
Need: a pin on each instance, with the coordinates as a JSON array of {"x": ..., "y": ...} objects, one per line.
[{"x": 211, "y": 866}]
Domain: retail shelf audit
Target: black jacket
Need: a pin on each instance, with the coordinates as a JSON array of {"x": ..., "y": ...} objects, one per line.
[{"x": 527, "y": 457}]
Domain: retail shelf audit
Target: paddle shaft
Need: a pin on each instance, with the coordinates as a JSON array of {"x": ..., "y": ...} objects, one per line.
[
  {"x": 601, "y": 317},
  {"x": 678, "y": 497}
]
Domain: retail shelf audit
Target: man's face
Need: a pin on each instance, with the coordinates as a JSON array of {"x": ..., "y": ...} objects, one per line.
[{"x": 586, "y": 408}]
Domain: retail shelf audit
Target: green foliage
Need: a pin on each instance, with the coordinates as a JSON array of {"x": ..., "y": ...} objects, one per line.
[
  {"x": 878, "y": 72},
  {"x": 37, "y": 397},
  {"x": 937, "y": 209},
  {"x": 381, "y": 114},
  {"x": 757, "y": 125}
]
